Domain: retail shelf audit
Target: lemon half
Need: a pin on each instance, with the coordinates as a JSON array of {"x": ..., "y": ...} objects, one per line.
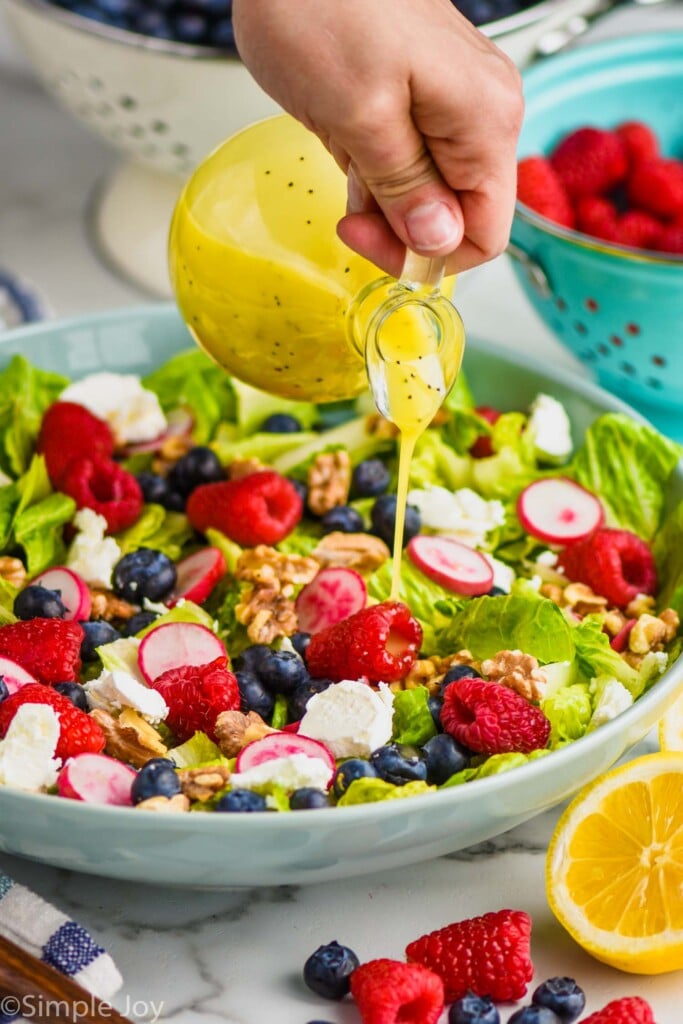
[{"x": 614, "y": 870}]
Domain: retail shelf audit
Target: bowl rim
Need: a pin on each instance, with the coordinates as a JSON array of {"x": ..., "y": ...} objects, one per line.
[
  {"x": 448, "y": 799},
  {"x": 641, "y": 46},
  {"x": 530, "y": 15}
]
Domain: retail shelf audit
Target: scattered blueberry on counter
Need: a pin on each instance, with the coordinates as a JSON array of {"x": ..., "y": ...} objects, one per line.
[
  {"x": 328, "y": 970},
  {"x": 209, "y": 22}
]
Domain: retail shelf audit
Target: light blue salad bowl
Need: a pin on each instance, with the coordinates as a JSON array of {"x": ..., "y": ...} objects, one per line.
[
  {"x": 221, "y": 851},
  {"x": 619, "y": 310}
]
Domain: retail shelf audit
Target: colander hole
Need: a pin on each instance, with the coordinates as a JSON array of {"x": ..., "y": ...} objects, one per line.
[
  {"x": 591, "y": 305},
  {"x": 588, "y": 355},
  {"x": 603, "y": 349},
  {"x": 632, "y": 329},
  {"x": 616, "y": 340},
  {"x": 629, "y": 369},
  {"x": 659, "y": 360},
  {"x": 580, "y": 328},
  {"x": 653, "y": 382},
  {"x": 561, "y": 305}
]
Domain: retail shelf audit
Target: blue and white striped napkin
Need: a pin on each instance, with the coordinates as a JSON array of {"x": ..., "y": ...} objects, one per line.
[{"x": 38, "y": 927}]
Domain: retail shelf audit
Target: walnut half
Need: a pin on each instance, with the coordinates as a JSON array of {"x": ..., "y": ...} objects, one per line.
[
  {"x": 518, "y": 671},
  {"x": 129, "y": 737}
]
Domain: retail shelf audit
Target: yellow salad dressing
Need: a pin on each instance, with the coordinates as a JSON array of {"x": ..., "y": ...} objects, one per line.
[{"x": 272, "y": 295}]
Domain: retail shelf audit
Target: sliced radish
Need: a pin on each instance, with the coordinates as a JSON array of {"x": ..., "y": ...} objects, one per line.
[
  {"x": 96, "y": 779},
  {"x": 333, "y": 595},
  {"x": 619, "y": 642},
  {"x": 558, "y": 510},
  {"x": 175, "y": 645},
  {"x": 179, "y": 424},
  {"x": 282, "y": 744},
  {"x": 14, "y": 675},
  {"x": 197, "y": 575},
  {"x": 452, "y": 564},
  {"x": 73, "y": 590}
]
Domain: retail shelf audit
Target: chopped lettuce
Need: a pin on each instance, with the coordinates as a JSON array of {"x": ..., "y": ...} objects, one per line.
[
  {"x": 254, "y": 406},
  {"x": 431, "y": 605},
  {"x": 157, "y": 528},
  {"x": 7, "y": 594},
  {"x": 231, "y": 550},
  {"x": 460, "y": 396},
  {"x": 412, "y": 722},
  {"x": 279, "y": 717},
  {"x": 569, "y": 711},
  {"x": 596, "y": 657},
  {"x": 32, "y": 516},
  {"x": 504, "y": 474},
  {"x": 629, "y": 466},
  {"x": 302, "y": 540},
  {"x": 231, "y": 444},
  {"x": 463, "y": 428},
  {"x": 25, "y": 394},
  {"x": 353, "y": 436},
  {"x": 370, "y": 791},
  {"x": 184, "y": 611},
  {"x": 486, "y": 625},
  {"x": 668, "y": 552},
  {"x": 496, "y": 764},
  {"x": 198, "y": 750},
  {"x": 435, "y": 463},
  {"x": 122, "y": 656},
  {"x": 191, "y": 379}
]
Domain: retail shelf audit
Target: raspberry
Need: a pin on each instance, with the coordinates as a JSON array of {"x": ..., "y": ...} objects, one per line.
[
  {"x": 669, "y": 239},
  {"x": 380, "y": 643},
  {"x": 69, "y": 431},
  {"x": 78, "y": 732},
  {"x": 196, "y": 695},
  {"x": 639, "y": 140},
  {"x": 597, "y": 216},
  {"x": 491, "y": 719},
  {"x": 657, "y": 186},
  {"x": 629, "y": 1010},
  {"x": 96, "y": 482},
  {"x": 539, "y": 187},
  {"x": 50, "y": 649},
  {"x": 638, "y": 229},
  {"x": 487, "y": 955},
  {"x": 590, "y": 161},
  {"x": 614, "y": 563},
  {"x": 258, "y": 509},
  {"x": 388, "y": 991}
]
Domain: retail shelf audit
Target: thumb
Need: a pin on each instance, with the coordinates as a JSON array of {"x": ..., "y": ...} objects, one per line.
[{"x": 407, "y": 187}]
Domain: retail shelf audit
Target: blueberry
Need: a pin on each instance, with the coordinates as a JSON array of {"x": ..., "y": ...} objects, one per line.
[
  {"x": 152, "y": 23},
  {"x": 444, "y": 757},
  {"x": 370, "y": 478},
  {"x": 435, "y": 704},
  {"x": 253, "y": 694},
  {"x": 36, "y": 602},
  {"x": 350, "y": 770},
  {"x": 75, "y": 693},
  {"x": 300, "y": 642},
  {"x": 496, "y": 592},
  {"x": 144, "y": 573},
  {"x": 327, "y": 972},
  {"x": 561, "y": 995},
  {"x": 136, "y": 623},
  {"x": 155, "y": 488},
  {"x": 281, "y": 423},
  {"x": 157, "y": 777},
  {"x": 199, "y": 466},
  {"x": 455, "y": 673},
  {"x": 300, "y": 488},
  {"x": 242, "y": 801},
  {"x": 534, "y": 1015},
  {"x": 297, "y": 701},
  {"x": 307, "y": 798},
  {"x": 116, "y": 8},
  {"x": 282, "y": 671},
  {"x": 189, "y": 27},
  {"x": 344, "y": 519},
  {"x": 399, "y": 763},
  {"x": 4, "y": 689},
  {"x": 471, "y": 1009},
  {"x": 95, "y": 634},
  {"x": 250, "y": 658},
  {"x": 383, "y": 516}
]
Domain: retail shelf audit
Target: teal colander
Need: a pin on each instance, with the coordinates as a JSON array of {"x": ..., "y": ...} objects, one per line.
[{"x": 619, "y": 310}]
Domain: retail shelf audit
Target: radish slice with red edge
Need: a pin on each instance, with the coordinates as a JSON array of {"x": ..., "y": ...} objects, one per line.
[
  {"x": 283, "y": 744},
  {"x": 197, "y": 575},
  {"x": 452, "y": 564},
  {"x": 332, "y": 595},
  {"x": 73, "y": 590},
  {"x": 559, "y": 511},
  {"x": 14, "y": 675},
  {"x": 96, "y": 779},
  {"x": 176, "y": 645}
]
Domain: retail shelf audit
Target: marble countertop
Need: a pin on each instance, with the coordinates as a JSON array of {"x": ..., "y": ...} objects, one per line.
[{"x": 236, "y": 957}]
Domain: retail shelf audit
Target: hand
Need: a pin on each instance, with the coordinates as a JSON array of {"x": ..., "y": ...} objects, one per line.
[{"x": 418, "y": 107}]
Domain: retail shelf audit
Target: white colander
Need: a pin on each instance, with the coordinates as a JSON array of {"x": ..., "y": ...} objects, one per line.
[{"x": 166, "y": 105}]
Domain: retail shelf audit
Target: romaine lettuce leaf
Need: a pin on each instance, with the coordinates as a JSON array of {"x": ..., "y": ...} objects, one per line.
[
  {"x": 533, "y": 624},
  {"x": 412, "y": 722},
  {"x": 254, "y": 406},
  {"x": 504, "y": 474},
  {"x": 38, "y": 530},
  {"x": 595, "y": 656},
  {"x": 668, "y": 551},
  {"x": 435, "y": 463},
  {"x": 25, "y": 394},
  {"x": 122, "y": 656},
  {"x": 191, "y": 379},
  {"x": 230, "y": 444},
  {"x": 569, "y": 711},
  {"x": 156, "y": 528},
  {"x": 494, "y": 765},
  {"x": 198, "y": 750},
  {"x": 460, "y": 396},
  {"x": 353, "y": 436},
  {"x": 231, "y": 550},
  {"x": 370, "y": 791},
  {"x": 184, "y": 611},
  {"x": 628, "y": 465}
]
